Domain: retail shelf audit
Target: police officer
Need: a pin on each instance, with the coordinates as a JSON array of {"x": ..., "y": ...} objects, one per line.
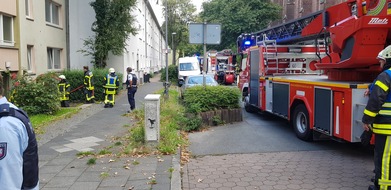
[
  {"x": 88, "y": 85},
  {"x": 377, "y": 113},
  {"x": 111, "y": 86},
  {"x": 64, "y": 87},
  {"x": 18, "y": 148},
  {"x": 131, "y": 85}
]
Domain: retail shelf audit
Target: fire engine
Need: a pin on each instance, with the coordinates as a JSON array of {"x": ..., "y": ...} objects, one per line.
[
  {"x": 313, "y": 71},
  {"x": 224, "y": 69},
  {"x": 211, "y": 61}
]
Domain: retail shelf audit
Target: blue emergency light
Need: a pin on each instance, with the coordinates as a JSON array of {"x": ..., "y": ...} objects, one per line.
[{"x": 247, "y": 42}]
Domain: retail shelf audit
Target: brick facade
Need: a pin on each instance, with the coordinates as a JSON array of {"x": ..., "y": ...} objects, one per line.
[{"x": 294, "y": 9}]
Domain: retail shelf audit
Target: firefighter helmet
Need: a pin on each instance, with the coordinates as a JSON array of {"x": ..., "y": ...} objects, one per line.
[
  {"x": 62, "y": 77},
  {"x": 380, "y": 55},
  {"x": 386, "y": 52},
  {"x": 111, "y": 70}
]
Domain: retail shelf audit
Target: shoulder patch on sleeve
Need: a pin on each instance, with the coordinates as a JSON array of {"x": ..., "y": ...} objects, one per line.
[{"x": 3, "y": 150}]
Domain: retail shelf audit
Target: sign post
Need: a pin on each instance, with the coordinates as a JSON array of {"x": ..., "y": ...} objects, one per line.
[{"x": 203, "y": 33}]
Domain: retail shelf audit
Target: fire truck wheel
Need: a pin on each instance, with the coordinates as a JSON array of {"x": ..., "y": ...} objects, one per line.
[
  {"x": 301, "y": 123},
  {"x": 247, "y": 106}
]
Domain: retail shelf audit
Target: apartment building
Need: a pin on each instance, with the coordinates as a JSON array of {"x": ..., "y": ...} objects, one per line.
[
  {"x": 80, "y": 18},
  {"x": 46, "y": 36},
  {"x": 42, "y": 39},
  {"x": 9, "y": 47},
  {"x": 293, "y": 9},
  {"x": 144, "y": 52}
]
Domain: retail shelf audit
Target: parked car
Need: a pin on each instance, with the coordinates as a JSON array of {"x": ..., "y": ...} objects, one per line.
[
  {"x": 197, "y": 80},
  {"x": 187, "y": 66}
]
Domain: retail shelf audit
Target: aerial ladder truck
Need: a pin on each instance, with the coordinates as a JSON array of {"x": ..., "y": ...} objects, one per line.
[{"x": 313, "y": 71}]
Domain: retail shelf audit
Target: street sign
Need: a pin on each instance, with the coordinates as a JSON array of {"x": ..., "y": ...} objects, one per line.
[
  {"x": 212, "y": 32},
  {"x": 166, "y": 50}
]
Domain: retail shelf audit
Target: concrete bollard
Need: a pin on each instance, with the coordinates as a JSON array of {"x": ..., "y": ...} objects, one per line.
[{"x": 152, "y": 118}]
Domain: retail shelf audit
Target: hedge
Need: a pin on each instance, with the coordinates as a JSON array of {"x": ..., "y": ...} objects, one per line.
[
  {"x": 200, "y": 99},
  {"x": 41, "y": 95}
]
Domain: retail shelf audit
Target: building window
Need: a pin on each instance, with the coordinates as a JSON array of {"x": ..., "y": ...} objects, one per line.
[
  {"x": 29, "y": 9},
  {"x": 6, "y": 30},
  {"x": 30, "y": 57},
  {"x": 52, "y": 12},
  {"x": 54, "y": 58}
]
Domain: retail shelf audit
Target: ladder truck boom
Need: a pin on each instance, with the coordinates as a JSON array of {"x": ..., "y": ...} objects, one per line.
[{"x": 353, "y": 32}]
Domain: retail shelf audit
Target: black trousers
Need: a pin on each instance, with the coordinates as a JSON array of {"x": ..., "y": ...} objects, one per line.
[
  {"x": 65, "y": 103},
  {"x": 131, "y": 92}
]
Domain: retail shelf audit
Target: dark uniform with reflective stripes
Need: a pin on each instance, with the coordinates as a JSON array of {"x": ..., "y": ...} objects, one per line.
[
  {"x": 111, "y": 86},
  {"x": 89, "y": 86},
  {"x": 64, "y": 87},
  {"x": 378, "y": 113}
]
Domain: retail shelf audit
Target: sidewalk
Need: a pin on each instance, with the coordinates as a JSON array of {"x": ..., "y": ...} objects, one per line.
[{"x": 94, "y": 129}]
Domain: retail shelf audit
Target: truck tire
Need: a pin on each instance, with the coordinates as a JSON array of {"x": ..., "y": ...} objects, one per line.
[
  {"x": 301, "y": 123},
  {"x": 247, "y": 106}
]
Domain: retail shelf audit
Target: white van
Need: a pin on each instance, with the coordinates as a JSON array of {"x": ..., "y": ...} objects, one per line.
[{"x": 187, "y": 66}]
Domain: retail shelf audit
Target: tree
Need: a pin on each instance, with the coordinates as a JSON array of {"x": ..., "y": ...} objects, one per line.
[
  {"x": 240, "y": 16},
  {"x": 114, "y": 23},
  {"x": 179, "y": 13}
]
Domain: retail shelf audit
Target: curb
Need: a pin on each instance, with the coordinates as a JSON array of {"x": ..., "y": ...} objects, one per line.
[{"x": 176, "y": 181}]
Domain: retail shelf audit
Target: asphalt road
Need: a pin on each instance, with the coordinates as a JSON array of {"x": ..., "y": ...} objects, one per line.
[{"x": 257, "y": 133}]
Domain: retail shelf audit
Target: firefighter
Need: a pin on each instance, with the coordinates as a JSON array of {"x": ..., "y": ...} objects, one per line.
[
  {"x": 377, "y": 113},
  {"x": 382, "y": 61},
  {"x": 111, "y": 86},
  {"x": 64, "y": 87},
  {"x": 88, "y": 85},
  {"x": 366, "y": 136}
]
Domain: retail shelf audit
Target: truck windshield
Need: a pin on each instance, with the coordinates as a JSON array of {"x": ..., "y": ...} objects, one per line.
[{"x": 186, "y": 67}]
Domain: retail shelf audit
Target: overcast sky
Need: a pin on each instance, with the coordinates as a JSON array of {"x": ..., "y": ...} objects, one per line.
[{"x": 198, "y": 4}]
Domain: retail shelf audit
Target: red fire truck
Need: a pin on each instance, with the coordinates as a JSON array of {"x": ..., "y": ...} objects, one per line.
[
  {"x": 211, "y": 62},
  {"x": 224, "y": 69},
  {"x": 313, "y": 71}
]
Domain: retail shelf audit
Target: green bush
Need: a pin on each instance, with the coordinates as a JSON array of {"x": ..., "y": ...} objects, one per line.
[
  {"x": 172, "y": 74},
  {"x": 41, "y": 95},
  {"x": 76, "y": 79},
  {"x": 216, "y": 120},
  {"x": 190, "y": 122},
  {"x": 199, "y": 98},
  {"x": 37, "y": 96}
]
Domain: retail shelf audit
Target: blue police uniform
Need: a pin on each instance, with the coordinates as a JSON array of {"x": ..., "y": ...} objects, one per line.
[
  {"x": 131, "y": 85},
  {"x": 18, "y": 170}
]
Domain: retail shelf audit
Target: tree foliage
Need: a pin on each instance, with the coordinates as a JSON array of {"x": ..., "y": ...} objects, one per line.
[
  {"x": 179, "y": 13},
  {"x": 114, "y": 23},
  {"x": 240, "y": 16}
]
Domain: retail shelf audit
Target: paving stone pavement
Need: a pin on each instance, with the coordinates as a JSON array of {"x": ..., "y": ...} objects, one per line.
[
  {"x": 94, "y": 129},
  {"x": 329, "y": 170}
]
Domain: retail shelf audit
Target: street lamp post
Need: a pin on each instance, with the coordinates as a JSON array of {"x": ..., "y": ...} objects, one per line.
[
  {"x": 166, "y": 83},
  {"x": 173, "y": 48}
]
